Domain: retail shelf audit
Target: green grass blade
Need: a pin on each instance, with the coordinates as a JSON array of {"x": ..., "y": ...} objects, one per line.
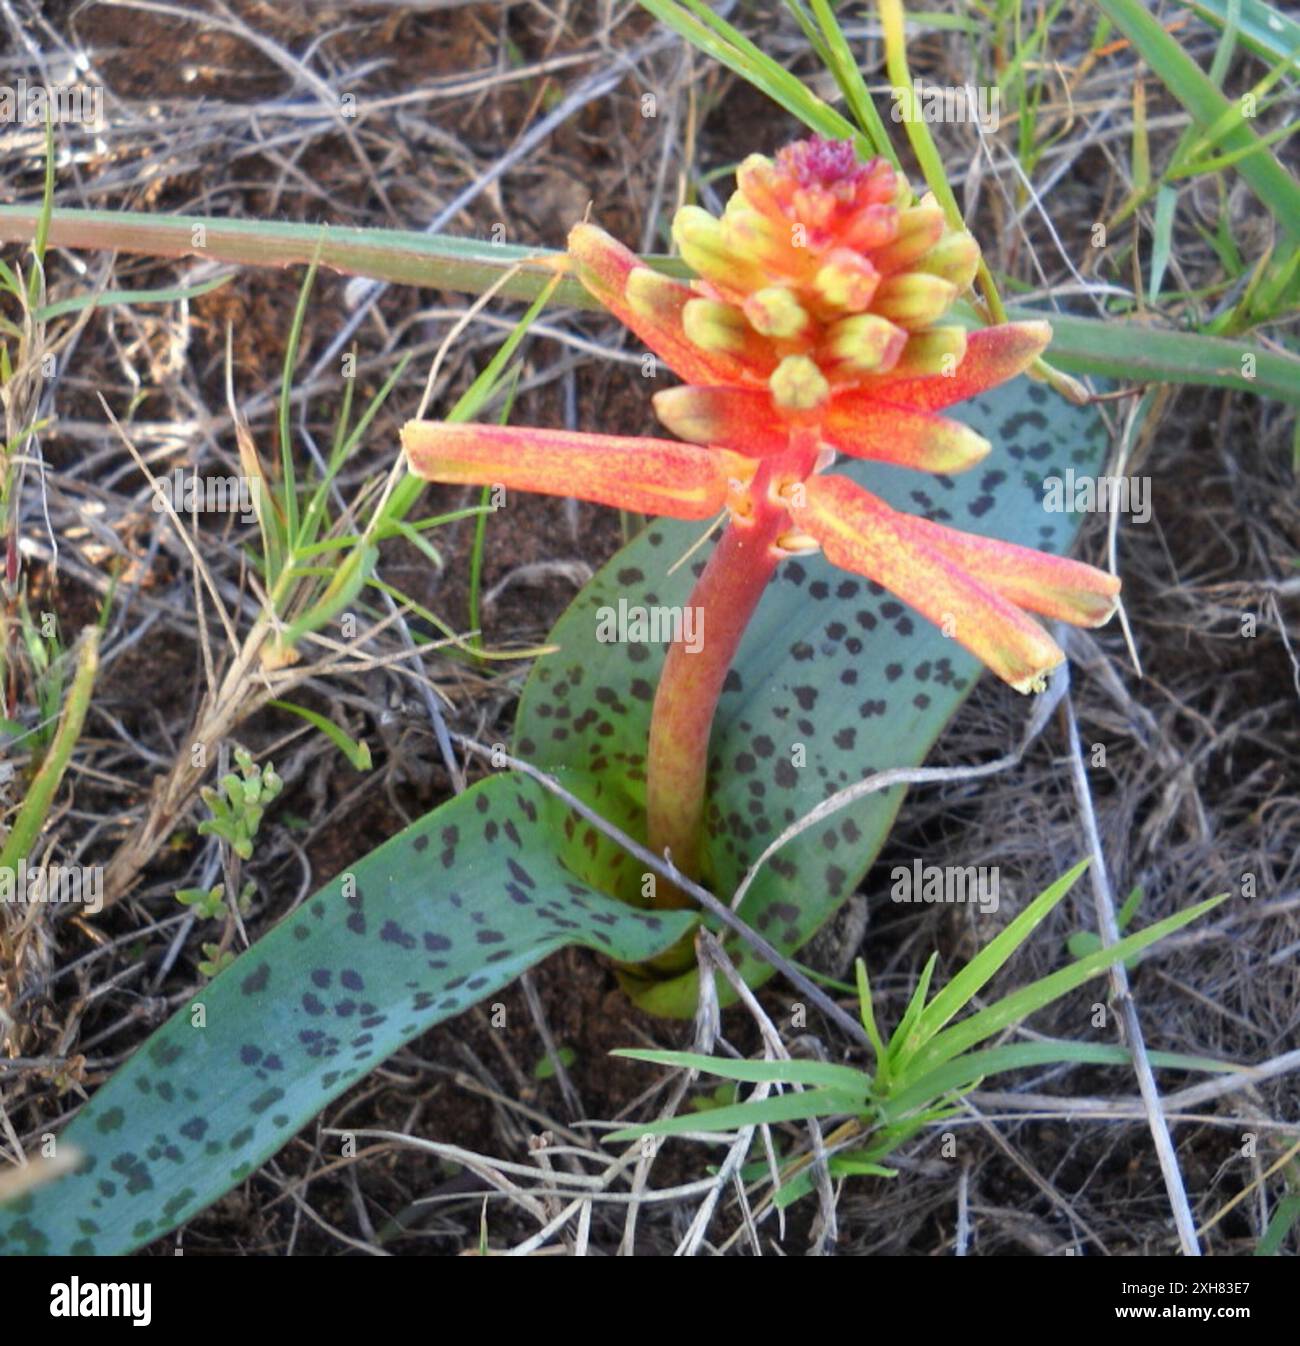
[
  {"x": 918, "y": 132},
  {"x": 441, "y": 916},
  {"x": 167, "y": 295},
  {"x": 1284, "y": 1218},
  {"x": 288, "y": 472},
  {"x": 867, "y": 1012},
  {"x": 840, "y": 61},
  {"x": 821, "y": 1074},
  {"x": 971, "y": 1067},
  {"x": 1011, "y": 1009},
  {"x": 1262, "y": 27},
  {"x": 718, "y": 39},
  {"x": 1269, "y": 180},
  {"x": 1161, "y": 240},
  {"x": 357, "y": 753},
  {"x": 905, "y": 1039},
  {"x": 41, "y": 237},
  {"x": 989, "y": 961},
  {"x": 779, "y": 1108},
  {"x": 36, "y": 803}
]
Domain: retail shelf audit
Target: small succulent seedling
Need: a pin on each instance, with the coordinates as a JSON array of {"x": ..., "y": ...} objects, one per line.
[
  {"x": 209, "y": 904},
  {"x": 237, "y": 807}
]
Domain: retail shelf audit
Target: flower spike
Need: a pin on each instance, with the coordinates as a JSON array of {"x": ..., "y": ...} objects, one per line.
[{"x": 814, "y": 326}]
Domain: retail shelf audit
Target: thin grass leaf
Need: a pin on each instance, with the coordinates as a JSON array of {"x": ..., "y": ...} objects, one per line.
[
  {"x": 345, "y": 444},
  {"x": 1284, "y": 1218},
  {"x": 914, "y": 124},
  {"x": 36, "y": 803},
  {"x": 40, "y": 243},
  {"x": 972, "y": 1067},
  {"x": 1162, "y": 239},
  {"x": 1011, "y": 1009},
  {"x": 906, "y": 1038},
  {"x": 9, "y": 280},
  {"x": 288, "y": 473},
  {"x": 781, "y": 1108},
  {"x": 989, "y": 961},
  {"x": 867, "y": 1013},
  {"x": 343, "y": 587},
  {"x": 822, "y": 1074},
  {"x": 1230, "y": 158},
  {"x": 1263, "y": 28},
  {"x": 839, "y": 59},
  {"x": 718, "y": 39},
  {"x": 166, "y": 295},
  {"x": 459, "y": 647},
  {"x": 1269, "y": 180},
  {"x": 357, "y": 753}
]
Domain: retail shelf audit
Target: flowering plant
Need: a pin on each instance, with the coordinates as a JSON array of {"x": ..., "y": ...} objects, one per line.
[
  {"x": 811, "y": 330},
  {"x": 814, "y": 328}
]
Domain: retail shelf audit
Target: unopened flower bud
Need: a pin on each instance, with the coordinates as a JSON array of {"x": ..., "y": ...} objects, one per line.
[
  {"x": 937, "y": 350},
  {"x": 713, "y": 326},
  {"x": 705, "y": 249},
  {"x": 798, "y": 385},
  {"x": 914, "y": 299},
  {"x": 650, "y": 294},
  {"x": 757, "y": 239},
  {"x": 846, "y": 282},
  {"x": 919, "y": 229},
  {"x": 775, "y": 312},
  {"x": 864, "y": 344},
  {"x": 955, "y": 258}
]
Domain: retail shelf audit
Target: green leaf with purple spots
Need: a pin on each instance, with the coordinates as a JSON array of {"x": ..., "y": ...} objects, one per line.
[
  {"x": 439, "y": 917},
  {"x": 834, "y": 681}
]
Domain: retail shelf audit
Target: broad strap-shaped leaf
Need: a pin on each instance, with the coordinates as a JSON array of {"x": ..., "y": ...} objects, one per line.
[
  {"x": 835, "y": 680},
  {"x": 442, "y": 915}
]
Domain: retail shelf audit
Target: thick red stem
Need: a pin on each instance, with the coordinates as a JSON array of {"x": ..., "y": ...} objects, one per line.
[{"x": 724, "y": 599}]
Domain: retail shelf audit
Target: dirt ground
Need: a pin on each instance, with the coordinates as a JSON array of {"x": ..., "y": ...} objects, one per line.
[{"x": 222, "y": 119}]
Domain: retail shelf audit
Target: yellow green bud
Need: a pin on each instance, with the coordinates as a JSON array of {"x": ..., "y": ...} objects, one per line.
[
  {"x": 847, "y": 281},
  {"x": 914, "y": 299},
  {"x": 650, "y": 294},
  {"x": 775, "y": 312},
  {"x": 955, "y": 258},
  {"x": 755, "y": 237},
  {"x": 713, "y": 326},
  {"x": 938, "y": 350},
  {"x": 919, "y": 229},
  {"x": 705, "y": 248},
  {"x": 865, "y": 344},
  {"x": 798, "y": 385}
]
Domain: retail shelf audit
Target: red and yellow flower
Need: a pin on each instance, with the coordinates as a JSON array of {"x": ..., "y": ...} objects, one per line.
[{"x": 813, "y": 329}]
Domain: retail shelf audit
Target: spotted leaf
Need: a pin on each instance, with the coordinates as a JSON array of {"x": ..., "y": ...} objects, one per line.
[{"x": 439, "y": 917}]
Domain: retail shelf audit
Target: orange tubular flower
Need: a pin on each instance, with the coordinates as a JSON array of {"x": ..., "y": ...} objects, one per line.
[{"x": 812, "y": 329}]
